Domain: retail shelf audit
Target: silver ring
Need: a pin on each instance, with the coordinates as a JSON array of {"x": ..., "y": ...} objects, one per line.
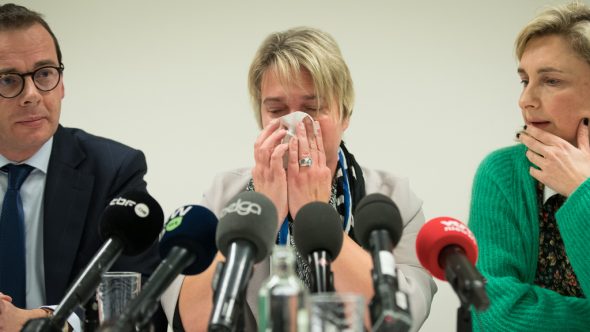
[{"x": 305, "y": 162}]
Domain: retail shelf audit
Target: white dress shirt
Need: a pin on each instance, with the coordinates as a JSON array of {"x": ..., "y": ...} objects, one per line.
[{"x": 31, "y": 194}]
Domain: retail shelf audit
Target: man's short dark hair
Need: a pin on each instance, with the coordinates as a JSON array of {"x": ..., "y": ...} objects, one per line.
[{"x": 13, "y": 17}]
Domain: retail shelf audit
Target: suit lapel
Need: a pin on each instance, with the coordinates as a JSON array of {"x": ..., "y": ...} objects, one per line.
[{"x": 67, "y": 196}]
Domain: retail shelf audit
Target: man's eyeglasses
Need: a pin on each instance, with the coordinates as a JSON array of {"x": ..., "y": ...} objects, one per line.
[{"x": 45, "y": 79}]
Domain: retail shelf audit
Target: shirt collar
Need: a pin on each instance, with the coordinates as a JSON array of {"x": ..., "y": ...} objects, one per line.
[
  {"x": 40, "y": 160},
  {"x": 548, "y": 193}
]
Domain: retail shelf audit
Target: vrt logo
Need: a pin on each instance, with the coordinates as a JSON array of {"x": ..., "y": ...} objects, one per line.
[
  {"x": 243, "y": 208},
  {"x": 122, "y": 201}
]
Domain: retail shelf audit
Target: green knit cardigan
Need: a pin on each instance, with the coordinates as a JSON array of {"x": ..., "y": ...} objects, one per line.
[{"x": 504, "y": 219}]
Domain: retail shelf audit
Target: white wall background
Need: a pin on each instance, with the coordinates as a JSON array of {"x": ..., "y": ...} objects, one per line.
[{"x": 435, "y": 81}]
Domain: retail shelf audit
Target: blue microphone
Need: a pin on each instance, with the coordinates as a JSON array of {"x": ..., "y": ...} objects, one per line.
[{"x": 187, "y": 246}]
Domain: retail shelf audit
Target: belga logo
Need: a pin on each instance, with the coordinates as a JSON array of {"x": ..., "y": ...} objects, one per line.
[
  {"x": 243, "y": 208},
  {"x": 122, "y": 201}
]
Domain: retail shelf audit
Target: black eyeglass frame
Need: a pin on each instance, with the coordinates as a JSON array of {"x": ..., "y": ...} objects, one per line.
[{"x": 59, "y": 69}]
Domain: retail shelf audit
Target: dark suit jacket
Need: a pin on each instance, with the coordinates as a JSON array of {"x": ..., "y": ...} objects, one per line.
[{"x": 85, "y": 172}]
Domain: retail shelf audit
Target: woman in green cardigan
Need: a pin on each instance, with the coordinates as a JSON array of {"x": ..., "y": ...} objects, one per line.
[{"x": 530, "y": 209}]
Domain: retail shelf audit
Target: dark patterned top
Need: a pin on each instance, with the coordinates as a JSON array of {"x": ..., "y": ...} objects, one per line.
[
  {"x": 302, "y": 266},
  {"x": 554, "y": 270}
]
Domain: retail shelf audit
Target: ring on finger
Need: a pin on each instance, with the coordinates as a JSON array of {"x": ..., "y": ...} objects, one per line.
[{"x": 305, "y": 161}]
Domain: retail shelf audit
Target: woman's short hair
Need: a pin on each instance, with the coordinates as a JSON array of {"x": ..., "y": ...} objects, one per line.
[
  {"x": 303, "y": 48},
  {"x": 571, "y": 21}
]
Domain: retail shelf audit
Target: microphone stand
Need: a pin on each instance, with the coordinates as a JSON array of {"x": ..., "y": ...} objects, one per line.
[
  {"x": 389, "y": 307},
  {"x": 40, "y": 325},
  {"x": 323, "y": 278},
  {"x": 91, "y": 322},
  {"x": 224, "y": 327},
  {"x": 230, "y": 316},
  {"x": 464, "y": 322},
  {"x": 469, "y": 285}
]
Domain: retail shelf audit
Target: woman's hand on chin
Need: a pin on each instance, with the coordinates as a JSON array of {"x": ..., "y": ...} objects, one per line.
[{"x": 561, "y": 166}]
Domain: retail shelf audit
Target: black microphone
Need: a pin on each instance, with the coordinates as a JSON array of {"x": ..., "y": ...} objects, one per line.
[
  {"x": 187, "y": 246},
  {"x": 130, "y": 224},
  {"x": 245, "y": 235},
  {"x": 378, "y": 227},
  {"x": 318, "y": 235}
]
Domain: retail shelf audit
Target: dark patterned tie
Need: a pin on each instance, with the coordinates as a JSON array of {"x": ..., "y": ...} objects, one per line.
[{"x": 12, "y": 237}]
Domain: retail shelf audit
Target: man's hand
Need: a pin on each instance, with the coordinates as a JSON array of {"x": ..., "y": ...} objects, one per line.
[{"x": 12, "y": 318}]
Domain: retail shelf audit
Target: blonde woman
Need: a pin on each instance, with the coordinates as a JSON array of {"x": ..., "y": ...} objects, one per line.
[
  {"x": 302, "y": 69},
  {"x": 530, "y": 202}
]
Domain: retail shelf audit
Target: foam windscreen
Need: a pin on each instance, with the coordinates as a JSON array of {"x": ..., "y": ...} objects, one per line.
[
  {"x": 135, "y": 218},
  {"x": 377, "y": 212},
  {"x": 191, "y": 227},
  {"x": 249, "y": 216},
  {"x": 436, "y": 235},
  {"x": 318, "y": 227}
]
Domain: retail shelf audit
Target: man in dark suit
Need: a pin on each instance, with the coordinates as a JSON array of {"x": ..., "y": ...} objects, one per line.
[{"x": 74, "y": 174}]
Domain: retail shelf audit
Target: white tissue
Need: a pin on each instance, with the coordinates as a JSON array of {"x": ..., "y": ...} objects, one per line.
[{"x": 290, "y": 122}]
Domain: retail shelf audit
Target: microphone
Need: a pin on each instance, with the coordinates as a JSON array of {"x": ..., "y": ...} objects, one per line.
[
  {"x": 448, "y": 250},
  {"x": 378, "y": 227},
  {"x": 317, "y": 231},
  {"x": 187, "y": 246},
  {"x": 245, "y": 235},
  {"x": 130, "y": 224}
]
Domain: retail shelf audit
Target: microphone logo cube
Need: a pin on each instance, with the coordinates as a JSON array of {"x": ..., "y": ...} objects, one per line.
[{"x": 142, "y": 210}]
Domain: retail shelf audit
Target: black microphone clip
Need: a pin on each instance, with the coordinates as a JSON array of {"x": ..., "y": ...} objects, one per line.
[
  {"x": 389, "y": 308},
  {"x": 323, "y": 278},
  {"x": 229, "y": 316},
  {"x": 466, "y": 280}
]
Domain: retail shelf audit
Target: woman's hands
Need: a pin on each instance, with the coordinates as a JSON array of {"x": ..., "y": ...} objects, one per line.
[
  {"x": 307, "y": 183},
  {"x": 270, "y": 178},
  {"x": 298, "y": 185},
  {"x": 561, "y": 166}
]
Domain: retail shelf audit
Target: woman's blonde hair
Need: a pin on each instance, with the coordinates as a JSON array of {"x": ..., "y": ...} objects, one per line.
[
  {"x": 303, "y": 48},
  {"x": 571, "y": 21}
]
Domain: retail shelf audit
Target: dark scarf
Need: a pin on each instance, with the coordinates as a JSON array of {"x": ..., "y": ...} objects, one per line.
[
  {"x": 348, "y": 188},
  {"x": 554, "y": 270}
]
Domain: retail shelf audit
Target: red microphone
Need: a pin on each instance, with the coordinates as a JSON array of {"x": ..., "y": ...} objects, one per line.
[
  {"x": 438, "y": 234},
  {"x": 448, "y": 250}
]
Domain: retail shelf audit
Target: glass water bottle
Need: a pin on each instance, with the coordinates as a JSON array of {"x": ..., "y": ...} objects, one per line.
[{"x": 282, "y": 300}]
